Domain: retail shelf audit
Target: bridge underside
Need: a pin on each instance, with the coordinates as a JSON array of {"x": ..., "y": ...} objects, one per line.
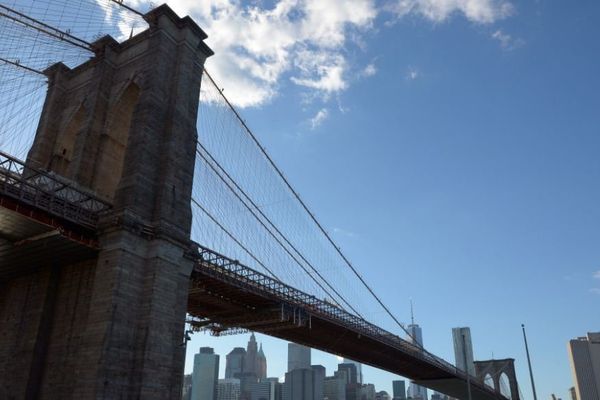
[
  {"x": 30, "y": 238},
  {"x": 221, "y": 301}
]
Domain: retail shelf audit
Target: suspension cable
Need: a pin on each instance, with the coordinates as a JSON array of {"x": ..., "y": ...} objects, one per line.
[
  {"x": 232, "y": 237},
  {"x": 308, "y": 211},
  {"x": 220, "y": 176}
]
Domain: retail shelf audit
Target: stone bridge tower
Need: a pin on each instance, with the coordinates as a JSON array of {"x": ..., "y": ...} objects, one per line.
[
  {"x": 492, "y": 370},
  {"x": 122, "y": 125}
]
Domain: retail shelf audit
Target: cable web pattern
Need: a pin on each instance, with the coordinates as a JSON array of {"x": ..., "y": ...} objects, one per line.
[
  {"x": 35, "y": 34},
  {"x": 245, "y": 209},
  {"x": 243, "y": 206}
]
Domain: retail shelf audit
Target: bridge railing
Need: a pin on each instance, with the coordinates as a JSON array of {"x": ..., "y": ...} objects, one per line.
[
  {"x": 226, "y": 269},
  {"x": 48, "y": 192}
]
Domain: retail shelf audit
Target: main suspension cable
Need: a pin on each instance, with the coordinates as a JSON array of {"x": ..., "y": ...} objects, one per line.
[{"x": 308, "y": 211}]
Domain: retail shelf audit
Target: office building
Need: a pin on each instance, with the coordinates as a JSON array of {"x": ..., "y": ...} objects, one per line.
[
  {"x": 276, "y": 388},
  {"x": 228, "y": 389},
  {"x": 234, "y": 364},
  {"x": 298, "y": 357},
  {"x": 261, "y": 364},
  {"x": 366, "y": 392},
  {"x": 334, "y": 387},
  {"x": 463, "y": 348},
  {"x": 359, "y": 374},
  {"x": 584, "y": 353},
  {"x": 255, "y": 361},
  {"x": 318, "y": 381},
  {"x": 259, "y": 390},
  {"x": 399, "y": 390},
  {"x": 350, "y": 371},
  {"x": 205, "y": 375},
  {"x": 304, "y": 384}
]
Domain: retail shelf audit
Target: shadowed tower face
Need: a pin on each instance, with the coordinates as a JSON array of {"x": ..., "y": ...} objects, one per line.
[
  {"x": 122, "y": 125},
  {"x": 499, "y": 375}
]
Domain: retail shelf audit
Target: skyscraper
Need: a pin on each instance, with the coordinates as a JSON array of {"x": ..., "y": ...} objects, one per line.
[
  {"x": 399, "y": 390},
  {"x": 251, "y": 359},
  {"x": 298, "y": 357},
  {"x": 234, "y": 365},
  {"x": 416, "y": 337},
  {"x": 205, "y": 375},
  {"x": 462, "y": 347},
  {"x": 584, "y": 353},
  {"x": 359, "y": 375},
  {"x": 350, "y": 372},
  {"x": 334, "y": 387},
  {"x": 261, "y": 364},
  {"x": 298, "y": 384}
]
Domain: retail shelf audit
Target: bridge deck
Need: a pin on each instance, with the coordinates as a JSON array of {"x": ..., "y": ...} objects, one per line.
[
  {"x": 43, "y": 219},
  {"x": 226, "y": 295}
]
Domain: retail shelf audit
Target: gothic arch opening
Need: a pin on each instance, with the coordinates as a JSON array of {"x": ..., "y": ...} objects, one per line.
[
  {"x": 65, "y": 143},
  {"x": 114, "y": 142},
  {"x": 488, "y": 380},
  {"x": 505, "y": 385}
]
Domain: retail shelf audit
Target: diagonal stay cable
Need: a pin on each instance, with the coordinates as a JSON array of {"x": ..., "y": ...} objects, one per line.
[
  {"x": 232, "y": 189},
  {"x": 232, "y": 237},
  {"x": 308, "y": 211}
]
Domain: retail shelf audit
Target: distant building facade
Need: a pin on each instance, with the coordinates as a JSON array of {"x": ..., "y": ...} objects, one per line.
[
  {"x": 228, "y": 389},
  {"x": 255, "y": 361},
  {"x": 416, "y": 337},
  {"x": 584, "y": 353},
  {"x": 399, "y": 390},
  {"x": 350, "y": 372},
  {"x": 304, "y": 384},
  {"x": 462, "y": 348},
  {"x": 205, "y": 375},
  {"x": 235, "y": 360},
  {"x": 334, "y": 387},
  {"x": 259, "y": 390},
  {"x": 359, "y": 374},
  {"x": 298, "y": 357}
]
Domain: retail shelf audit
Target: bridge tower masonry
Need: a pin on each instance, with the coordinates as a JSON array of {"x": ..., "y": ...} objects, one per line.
[
  {"x": 122, "y": 125},
  {"x": 494, "y": 369}
]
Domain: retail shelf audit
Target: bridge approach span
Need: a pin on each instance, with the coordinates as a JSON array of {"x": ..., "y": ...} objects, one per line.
[{"x": 226, "y": 295}]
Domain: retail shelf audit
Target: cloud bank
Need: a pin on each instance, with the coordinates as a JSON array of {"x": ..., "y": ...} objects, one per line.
[{"x": 261, "y": 46}]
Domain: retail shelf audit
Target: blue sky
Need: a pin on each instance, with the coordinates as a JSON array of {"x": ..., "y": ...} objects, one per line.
[{"x": 456, "y": 150}]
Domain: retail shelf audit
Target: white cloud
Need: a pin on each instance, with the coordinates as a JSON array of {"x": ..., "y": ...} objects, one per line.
[
  {"x": 412, "y": 73},
  {"x": 319, "y": 117},
  {"x": 597, "y": 274},
  {"x": 369, "y": 70},
  {"x": 595, "y": 290},
  {"x": 257, "y": 47},
  {"x": 507, "y": 42},
  {"x": 479, "y": 11},
  {"x": 262, "y": 46}
]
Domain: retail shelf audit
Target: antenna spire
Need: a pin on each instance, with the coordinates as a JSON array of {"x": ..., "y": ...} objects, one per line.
[{"x": 412, "y": 314}]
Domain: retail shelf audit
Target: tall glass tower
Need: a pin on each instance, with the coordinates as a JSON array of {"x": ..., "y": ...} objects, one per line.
[{"x": 205, "y": 375}]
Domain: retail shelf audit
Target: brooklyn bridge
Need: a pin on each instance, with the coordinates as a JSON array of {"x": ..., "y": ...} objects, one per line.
[{"x": 134, "y": 200}]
